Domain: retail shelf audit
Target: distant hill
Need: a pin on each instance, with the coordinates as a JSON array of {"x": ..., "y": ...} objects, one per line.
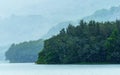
[
  {"x": 24, "y": 52},
  {"x": 3, "y": 49},
  {"x": 29, "y": 27},
  {"x": 105, "y": 14},
  {"x": 55, "y": 30},
  {"x": 101, "y": 15}
]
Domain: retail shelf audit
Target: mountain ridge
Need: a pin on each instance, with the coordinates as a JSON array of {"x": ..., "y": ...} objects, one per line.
[{"x": 111, "y": 14}]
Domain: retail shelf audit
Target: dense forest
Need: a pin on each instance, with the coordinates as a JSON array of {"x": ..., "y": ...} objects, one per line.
[
  {"x": 24, "y": 52},
  {"x": 87, "y": 43}
]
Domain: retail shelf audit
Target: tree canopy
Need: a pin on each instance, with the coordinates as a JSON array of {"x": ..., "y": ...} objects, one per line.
[
  {"x": 88, "y": 42},
  {"x": 24, "y": 52}
]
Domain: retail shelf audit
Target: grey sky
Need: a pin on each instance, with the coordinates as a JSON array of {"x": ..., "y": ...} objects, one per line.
[
  {"x": 48, "y": 7},
  {"x": 54, "y": 12}
]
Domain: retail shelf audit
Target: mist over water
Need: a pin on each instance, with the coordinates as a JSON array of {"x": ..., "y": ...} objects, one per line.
[
  {"x": 3, "y": 49},
  {"x": 17, "y": 15},
  {"x": 25, "y": 20},
  {"x": 32, "y": 69}
]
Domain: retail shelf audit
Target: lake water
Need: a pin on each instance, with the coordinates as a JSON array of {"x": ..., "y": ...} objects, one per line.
[{"x": 32, "y": 69}]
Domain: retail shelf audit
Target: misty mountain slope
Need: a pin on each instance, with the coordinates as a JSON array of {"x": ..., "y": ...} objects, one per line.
[
  {"x": 32, "y": 27},
  {"x": 100, "y": 15},
  {"x": 55, "y": 30},
  {"x": 105, "y": 15},
  {"x": 3, "y": 49},
  {"x": 24, "y": 52},
  {"x": 22, "y": 28}
]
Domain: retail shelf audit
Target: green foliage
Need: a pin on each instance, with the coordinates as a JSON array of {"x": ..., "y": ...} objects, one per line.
[
  {"x": 24, "y": 52},
  {"x": 113, "y": 47},
  {"x": 89, "y": 42}
]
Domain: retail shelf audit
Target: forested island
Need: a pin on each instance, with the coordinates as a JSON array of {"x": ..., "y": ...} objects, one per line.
[
  {"x": 25, "y": 52},
  {"x": 88, "y": 43}
]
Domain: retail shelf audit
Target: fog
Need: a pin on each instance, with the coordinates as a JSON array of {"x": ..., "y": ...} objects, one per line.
[
  {"x": 32, "y": 69},
  {"x": 23, "y": 20}
]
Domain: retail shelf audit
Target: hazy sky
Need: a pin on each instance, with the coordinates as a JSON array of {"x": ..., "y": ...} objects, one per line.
[
  {"x": 48, "y": 7},
  {"x": 54, "y": 10}
]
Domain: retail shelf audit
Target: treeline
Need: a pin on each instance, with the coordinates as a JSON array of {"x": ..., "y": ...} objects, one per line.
[
  {"x": 24, "y": 52},
  {"x": 89, "y": 42}
]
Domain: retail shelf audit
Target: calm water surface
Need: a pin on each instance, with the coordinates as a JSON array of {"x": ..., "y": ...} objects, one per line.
[{"x": 32, "y": 69}]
